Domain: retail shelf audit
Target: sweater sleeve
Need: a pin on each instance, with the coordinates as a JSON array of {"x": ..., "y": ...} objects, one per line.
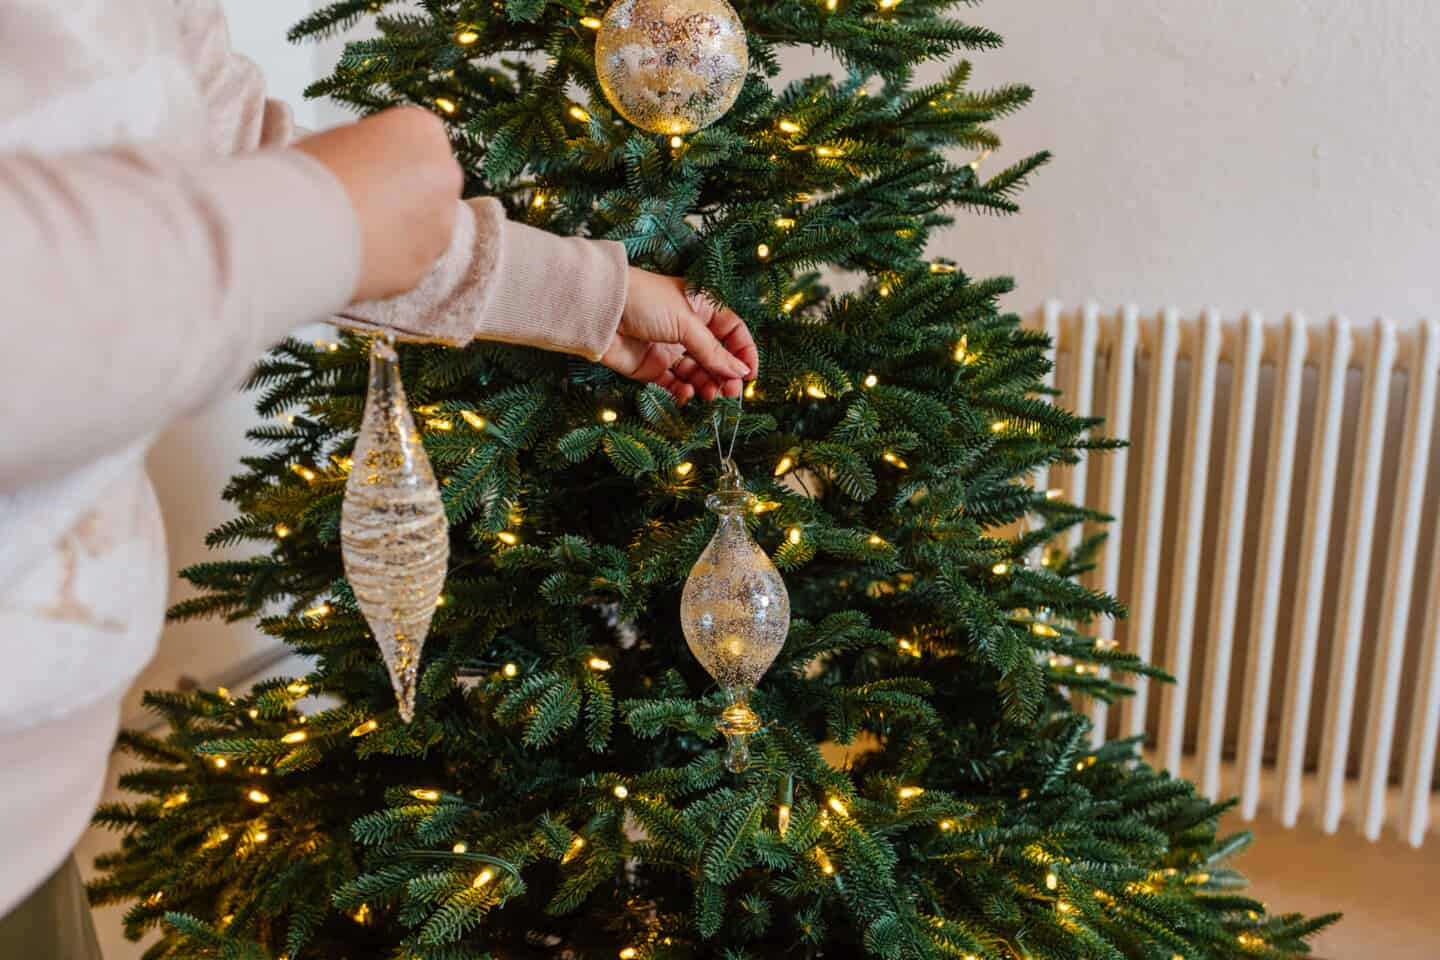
[
  {"x": 510, "y": 282},
  {"x": 139, "y": 283},
  {"x": 499, "y": 280}
]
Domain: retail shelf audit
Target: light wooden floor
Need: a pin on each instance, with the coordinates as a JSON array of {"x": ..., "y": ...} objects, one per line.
[{"x": 1387, "y": 890}]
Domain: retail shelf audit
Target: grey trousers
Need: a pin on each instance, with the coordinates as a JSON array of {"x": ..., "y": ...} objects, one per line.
[{"x": 53, "y": 923}]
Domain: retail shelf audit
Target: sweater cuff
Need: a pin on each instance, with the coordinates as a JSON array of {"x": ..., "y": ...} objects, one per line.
[
  {"x": 561, "y": 293},
  {"x": 512, "y": 283}
]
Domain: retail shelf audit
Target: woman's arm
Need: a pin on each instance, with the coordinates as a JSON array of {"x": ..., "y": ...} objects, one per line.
[
  {"x": 136, "y": 284},
  {"x": 499, "y": 280}
]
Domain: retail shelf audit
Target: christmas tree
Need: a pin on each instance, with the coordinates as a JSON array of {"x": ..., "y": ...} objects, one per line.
[{"x": 921, "y": 785}]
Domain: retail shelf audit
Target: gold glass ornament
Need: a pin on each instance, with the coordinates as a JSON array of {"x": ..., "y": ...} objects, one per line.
[
  {"x": 394, "y": 538},
  {"x": 671, "y": 66},
  {"x": 735, "y": 612}
]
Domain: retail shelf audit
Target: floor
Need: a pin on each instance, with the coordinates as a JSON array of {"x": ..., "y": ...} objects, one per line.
[{"x": 1387, "y": 890}]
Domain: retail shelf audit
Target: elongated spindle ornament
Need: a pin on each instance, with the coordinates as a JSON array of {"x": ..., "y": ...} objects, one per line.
[
  {"x": 394, "y": 538},
  {"x": 735, "y": 612}
]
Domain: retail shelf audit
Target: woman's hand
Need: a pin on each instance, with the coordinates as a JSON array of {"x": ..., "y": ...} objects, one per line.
[{"x": 685, "y": 343}]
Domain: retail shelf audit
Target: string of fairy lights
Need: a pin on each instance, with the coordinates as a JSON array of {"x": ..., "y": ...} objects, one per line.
[
  {"x": 1054, "y": 882},
  {"x": 436, "y": 418},
  {"x": 258, "y": 830},
  {"x": 1056, "y": 879}
]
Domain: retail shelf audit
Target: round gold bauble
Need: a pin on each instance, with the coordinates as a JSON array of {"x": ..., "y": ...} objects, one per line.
[{"x": 671, "y": 66}]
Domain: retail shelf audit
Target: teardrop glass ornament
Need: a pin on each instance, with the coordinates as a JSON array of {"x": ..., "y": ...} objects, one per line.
[
  {"x": 394, "y": 538},
  {"x": 735, "y": 612}
]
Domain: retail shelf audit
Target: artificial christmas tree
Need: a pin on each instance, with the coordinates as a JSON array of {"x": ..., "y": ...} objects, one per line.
[{"x": 562, "y": 790}]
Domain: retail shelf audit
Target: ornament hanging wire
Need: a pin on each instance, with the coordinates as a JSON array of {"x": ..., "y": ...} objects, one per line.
[{"x": 727, "y": 457}]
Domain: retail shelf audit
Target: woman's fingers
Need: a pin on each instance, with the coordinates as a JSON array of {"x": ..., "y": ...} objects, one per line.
[
  {"x": 735, "y": 336},
  {"x": 708, "y": 351}
]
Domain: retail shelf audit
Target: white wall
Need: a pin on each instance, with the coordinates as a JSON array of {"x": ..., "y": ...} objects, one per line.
[{"x": 1277, "y": 155}]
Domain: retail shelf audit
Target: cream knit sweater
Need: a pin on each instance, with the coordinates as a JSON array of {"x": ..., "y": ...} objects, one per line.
[{"x": 155, "y": 236}]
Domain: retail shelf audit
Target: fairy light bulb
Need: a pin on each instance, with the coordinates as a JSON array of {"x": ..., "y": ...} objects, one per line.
[
  {"x": 369, "y": 726},
  {"x": 428, "y": 795},
  {"x": 782, "y": 818},
  {"x": 579, "y": 113},
  {"x": 826, "y": 867},
  {"x": 295, "y": 736},
  {"x": 871, "y": 380},
  {"x": 460, "y": 847},
  {"x": 466, "y": 37},
  {"x": 510, "y": 670},
  {"x": 783, "y": 466},
  {"x": 735, "y": 613},
  {"x": 621, "y": 791},
  {"x": 483, "y": 877},
  {"x": 599, "y": 664},
  {"x": 258, "y": 796},
  {"x": 609, "y": 416},
  {"x": 446, "y": 104}
]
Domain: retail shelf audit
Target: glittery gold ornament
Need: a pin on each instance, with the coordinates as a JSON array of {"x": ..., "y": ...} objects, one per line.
[
  {"x": 671, "y": 66},
  {"x": 735, "y": 612},
  {"x": 394, "y": 537}
]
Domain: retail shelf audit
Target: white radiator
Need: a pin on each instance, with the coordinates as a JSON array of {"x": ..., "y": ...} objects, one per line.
[{"x": 1277, "y": 548}]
